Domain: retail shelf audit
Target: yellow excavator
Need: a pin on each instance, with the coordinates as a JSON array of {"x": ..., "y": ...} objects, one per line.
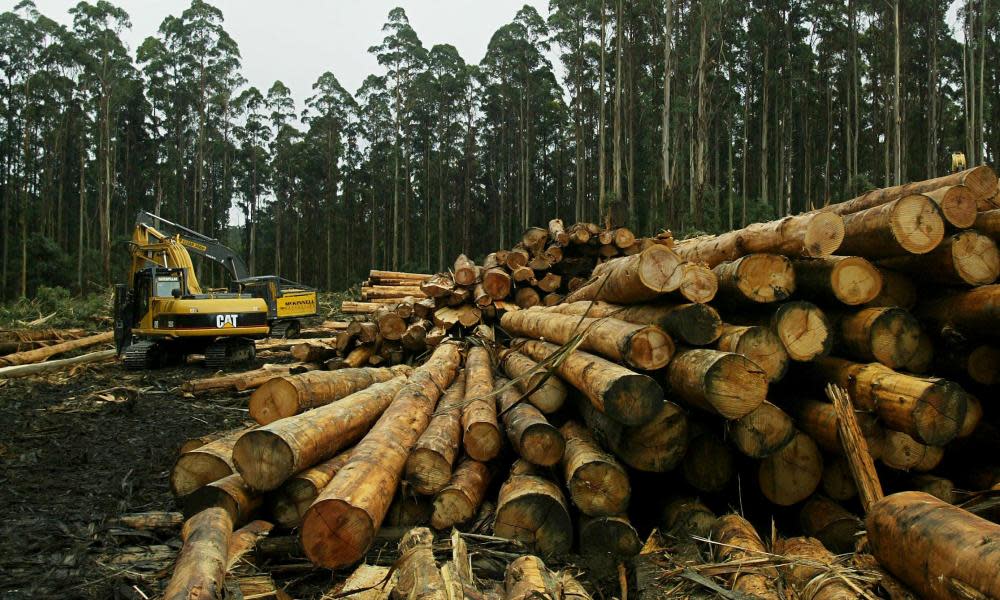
[{"x": 162, "y": 313}]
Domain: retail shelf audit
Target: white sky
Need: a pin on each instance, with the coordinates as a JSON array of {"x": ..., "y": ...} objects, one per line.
[{"x": 297, "y": 40}]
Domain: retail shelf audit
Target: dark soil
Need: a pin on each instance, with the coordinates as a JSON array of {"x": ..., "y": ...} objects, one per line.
[{"x": 76, "y": 451}]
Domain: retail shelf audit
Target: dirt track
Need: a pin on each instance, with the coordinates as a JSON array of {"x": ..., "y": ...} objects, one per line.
[{"x": 76, "y": 452}]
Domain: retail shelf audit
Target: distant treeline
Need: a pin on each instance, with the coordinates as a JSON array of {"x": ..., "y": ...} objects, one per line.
[{"x": 682, "y": 114}]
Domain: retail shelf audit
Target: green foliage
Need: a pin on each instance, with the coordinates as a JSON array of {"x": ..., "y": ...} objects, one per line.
[{"x": 66, "y": 310}]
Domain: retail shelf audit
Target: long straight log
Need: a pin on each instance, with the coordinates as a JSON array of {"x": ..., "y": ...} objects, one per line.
[
  {"x": 759, "y": 344},
  {"x": 291, "y": 501},
  {"x": 375, "y": 274},
  {"x": 756, "y": 278},
  {"x": 548, "y": 395},
  {"x": 531, "y": 509},
  {"x": 976, "y": 311},
  {"x": 284, "y": 396},
  {"x": 910, "y": 225},
  {"x": 340, "y": 526},
  {"x": 241, "y": 381},
  {"x": 966, "y": 258},
  {"x": 889, "y": 335},
  {"x": 531, "y": 435},
  {"x": 598, "y": 485},
  {"x": 694, "y": 324},
  {"x": 25, "y": 370},
  {"x": 200, "y": 570},
  {"x": 269, "y": 455},
  {"x": 724, "y": 383},
  {"x": 852, "y": 280},
  {"x": 481, "y": 435},
  {"x": 39, "y": 354},
  {"x": 639, "y": 346},
  {"x": 621, "y": 394},
  {"x": 459, "y": 500},
  {"x": 428, "y": 467},
  {"x": 930, "y": 410},
  {"x": 937, "y": 549},
  {"x": 204, "y": 464},
  {"x": 816, "y": 234},
  {"x": 632, "y": 279}
]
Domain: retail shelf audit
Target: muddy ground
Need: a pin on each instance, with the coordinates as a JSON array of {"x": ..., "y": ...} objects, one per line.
[{"x": 79, "y": 449}]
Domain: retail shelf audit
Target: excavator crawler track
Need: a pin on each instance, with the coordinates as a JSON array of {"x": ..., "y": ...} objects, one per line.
[
  {"x": 222, "y": 353},
  {"x": 141, "y": 356},
  {"x": 285, "y": 329}
]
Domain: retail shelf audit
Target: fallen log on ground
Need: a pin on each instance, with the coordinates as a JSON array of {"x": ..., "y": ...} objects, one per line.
[
  {"x": 39, "y": 354},
  {"x": 598, "y": 485},
  {"x": 531, "y": 509},
  {"x": 481, "y": 435},
  {"x": 531, "y": 435},
  {"x": 693, "y": 323},
  {"x": 724, "y": 383},
  {"x": 25, "y": 370},
  {"x": 242, "y": 381},
  {"x": 200, "y": 570},
  {"x": 429, "y": 465}
]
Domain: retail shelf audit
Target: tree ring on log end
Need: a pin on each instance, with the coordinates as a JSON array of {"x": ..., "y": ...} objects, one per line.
[
  {"x": 824, "y": 234},
  {"x": 916, "y": 224},
  {"x": 855, "y": 281},
  {"x": 263, "y": 458},
  {"x": 336, "y": 534}
]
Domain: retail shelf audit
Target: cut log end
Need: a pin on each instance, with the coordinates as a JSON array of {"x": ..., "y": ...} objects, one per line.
[
  {"x": 804, "y": 330},
  {"x": 274, "y": 400},
  {"x": 917, "y": 224},
  {"x": 427, "y": 471},
  {"x": 975, "y": 257},
  {"x": 823, "y": 235},
  {"x": 633, "y": 399},
  {"x": 336, "y": 534},
  {"x": 855, "y": 281},
  {"x": 264, "y": 459},
  {"x": 894, "y": 337},
  {"x": 793, "y": 473},
  {"x": 196, "y": 469}
]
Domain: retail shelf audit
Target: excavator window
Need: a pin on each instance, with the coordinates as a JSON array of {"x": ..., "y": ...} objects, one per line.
[{"x": 167, "y": 287}]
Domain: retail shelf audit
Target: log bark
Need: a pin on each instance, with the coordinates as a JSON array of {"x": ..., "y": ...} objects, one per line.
[
  {"x": 549, "y": 392},
  {"x": 852, "y": 280},
  {"x": 980, "y": 182},
  {"x": 313, "y": 351},
  {"x": 438, "y": 286},
  {"x": 598, "y": 485},
  {"x": 738, "y": 541},
  {"x": 693, "y": 323},
  {"x": 291, "y": 501},
  {"x": 24, "y": 370},
  {"x": 459, "y": 500},
  {"x": 928, "y": 544},
  {"x": 759, "y": 344},
  {"x": 657, "y": 446},
  {"x": 904, "y": 453},
  {"x": 428, "y": 468},
  {"x": 419, "y": 576},
  {"x": 756, "y": 278},
  {"x": 465, "y": 271},
  {"x": 633, "y": 279},
  {"x": 639, "y": 346},
  {"x": 762, "y": 432},
  {"x": 975, "y": 312},
  {"x": 930, "y": 410},
  {"x": 612, "y": 534},
  {"x": 724, "y": 383},
  {"x": 531, "y": 435},
  {"x": 204, "y": 464},
  {"x": 897, "y": 290},
  {"x": 831, "y": 524},
  {"x": 268, "y": 456},
  {"x": 889, "y": 335},
  {"x": 240, "y": 381},
  {"x": 230, "y": 493},
  {"x": 527, "y": 578},
  {"x": 340, "y": 526},
  {"x": 39, "y": 354},
  {"x": 200, "y": 570},
  {"x": 284, "y": 396},
  {"x": 481, "y": 436},
  {"x": 910, "y": 225},
  {"x": 815, "y": 234},
  {"x": 531, "y": 509},
  {"x": 809, "y": 570},
  {"x": 793, "y": 473},
  {"x": 819, "y": 419},
  {"x": 621, "y": 394}
]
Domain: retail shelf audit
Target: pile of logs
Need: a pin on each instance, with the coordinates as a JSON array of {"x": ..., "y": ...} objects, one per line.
[{"x": 647, "y": 383}]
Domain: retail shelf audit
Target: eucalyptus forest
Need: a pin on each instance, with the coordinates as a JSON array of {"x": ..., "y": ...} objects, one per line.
[{"x": 689, "y": 115}]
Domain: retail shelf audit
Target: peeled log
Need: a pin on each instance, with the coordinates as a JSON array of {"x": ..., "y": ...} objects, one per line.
[
  {"x": 852, "y": 280},
  {"x": 269, "y": 455},
  {"x": 889, "y": 335},
  {"x": 976, "y": 311},
  {"x": 340, "y": 526},
  {"x": 966, "y": 258},
  {"x": 808, "y": 570},
  {"x": 642, "y": 347},
  {"x": 531, "y": 509},
  {"x": 815, "y": 234},
  {"x": 759, "y": 344},
  {"x": 203, "y": 465},
  {"x": 598, "y": 485},
  {"x": 721, "y": 382},
  {"x": 738, "y": 541},
  {"x": 980, "y": 182},
  {"x": 291, "y": 501},
  {"x": 930, "y": 410},
  {"x": 756, "y": 278},
  {"x": 623, "y": 395},
  {"x": 612, "y": 534},
  {"x": 548, "y": 397},
  {"x": 793, "y": 473},
  {"x": 830, "y": 523},
  {"x": 762, "y": 432},
  {"x": 481, "y": 434},
  {"x": 695, "y": 324},
  {"x": 40, "y": 354},
  {"x": 937, "y": 549},
  {"x": 632, "y": 279},
  {"x": 289, "y": 395},
  {"x": 428, "y": 468},
  {"x": 912, "y": 224},
  {"x": 656, "y": 446},
  {"x": 530, "y": 434},
  {"x": 708, "y": 462},
  {"x": 458, "y": 501},
  {"x": 200, "y": 570},
  {"x": 240, "y": 381}
]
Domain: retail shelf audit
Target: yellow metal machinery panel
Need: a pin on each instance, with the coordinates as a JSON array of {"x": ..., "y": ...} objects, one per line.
[{"x": 297, "y": 305}]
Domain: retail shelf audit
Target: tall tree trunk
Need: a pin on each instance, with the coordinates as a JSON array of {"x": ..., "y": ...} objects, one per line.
[
  {"x": 897, "y": 119},
  {"x": 701, "y": 137},
  {"x": 763, "y": 127},
  {"x": 601, "y": 160},
  {"x": 981, "y": 121},
  {"x": 616, "y": 171},
  {"x": 932, "y": 97},
  {"x": 668, "y": 45},
  {"x": 744, "y": 158},
  {"x": 855, "y": 97},
  {"x": 82, "y": 211}
]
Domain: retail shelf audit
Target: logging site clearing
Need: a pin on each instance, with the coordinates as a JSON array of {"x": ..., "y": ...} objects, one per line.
[{"x": 801, "y": 408}]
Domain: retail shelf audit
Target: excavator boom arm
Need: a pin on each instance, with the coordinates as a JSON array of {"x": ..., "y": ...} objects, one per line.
[{"x": 198, "y": 243}]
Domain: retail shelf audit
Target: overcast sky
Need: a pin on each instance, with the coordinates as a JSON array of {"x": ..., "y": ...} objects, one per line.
[{"x": 297, "y": 40}]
